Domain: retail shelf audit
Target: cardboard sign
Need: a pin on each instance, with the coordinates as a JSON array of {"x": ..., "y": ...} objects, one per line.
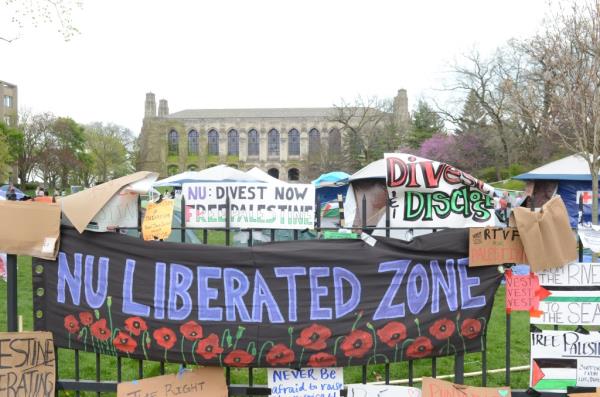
[
  {"x": 546, "y": 235},
  {"x": 572, "y": 295},
  {"x": 80, "y": 208},
  {"x": 429, "y": 194},
  {"x": 305, "y": 382},
  {"x": 120, "y": 211},
  {"x": 360, "y": 390},
  {"x": 27, "y": 366},
  {"x": 438, "y": 388},
  {"x": 207, "y": 381},
  {"x": 158, "y": 220},
  {"x": 495, "y": 246},
  {"x": 523, "y": 292},
  {"x": 560, "y": 359},
  {"x": 588, "y": 394},
  {"x": 251, "y": 205},
  {"x": 30, "y": 228}
]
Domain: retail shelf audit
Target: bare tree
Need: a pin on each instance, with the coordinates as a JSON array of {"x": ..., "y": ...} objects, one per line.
[
  {"x": 368, "y": 129},
  {"x": 22, "y": 14},
  {"x": 561, "y": 90}
]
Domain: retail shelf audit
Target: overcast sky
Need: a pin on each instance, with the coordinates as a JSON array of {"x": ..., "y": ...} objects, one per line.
[{"x": 239, "y": 54}]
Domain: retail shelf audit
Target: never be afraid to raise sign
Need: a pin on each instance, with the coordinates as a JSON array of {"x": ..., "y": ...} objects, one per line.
[{"x": 300, "y": 303}]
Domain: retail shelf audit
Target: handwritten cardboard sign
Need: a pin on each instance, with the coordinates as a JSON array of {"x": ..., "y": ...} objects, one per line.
[
  {"x": 305, "y": 382},
  {"x": 360, "y": 390},
  {"x": 588, "y": 394},
  {"x": 523, "y": 292},
  {"x": 157, "y": 220},
  {"x": 27, "y": 366},
  {"x": 572, "y": 295},
  {"x": 439, "y": 388},
  {"x": 207, "y": 381},
  {"x": 495, "y": 246}
]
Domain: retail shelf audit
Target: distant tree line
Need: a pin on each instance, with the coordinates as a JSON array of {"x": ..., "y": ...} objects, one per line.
[{"x": 59, "y": 152}]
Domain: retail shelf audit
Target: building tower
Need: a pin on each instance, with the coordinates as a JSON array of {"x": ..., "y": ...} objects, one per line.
[
  {"x": 163, "y": 108},
  {"x": 150, "y": 108}
]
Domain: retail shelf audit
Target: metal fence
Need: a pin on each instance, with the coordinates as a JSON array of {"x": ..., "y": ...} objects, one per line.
[{"x": 74, "y": 384}]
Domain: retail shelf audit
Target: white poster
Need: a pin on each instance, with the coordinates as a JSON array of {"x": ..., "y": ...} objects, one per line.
[
  {"x": 251, "y": 205},
  {"x": 360, "y": 390},
  {"x": 590, "y": 237},
  {"x": 560, "y": 359},
  {"x": 305, "y": 382},
  {"x": 570, "y": 295},
  {"x": 426, "y": 193}
]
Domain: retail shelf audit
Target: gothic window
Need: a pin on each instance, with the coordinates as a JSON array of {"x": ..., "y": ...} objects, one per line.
[
  {"x": 293, "y": 174},
  {"x": 294, "y": 142},
  {"x": 274, "y": 172},
  {"x": 253, "y": 143},
  {"x": 314, "y": 142},
  {"x": 273, "y": 140},
  {"x": 213, "y": 142},
  {"x": 193, "y": 142},
  {"x": 173, "y": 142},
  {"x": 335, "y": 141},
  {"x": 233, "y": 143}
]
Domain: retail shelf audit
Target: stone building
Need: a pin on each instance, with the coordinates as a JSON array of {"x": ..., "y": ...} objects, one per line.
[
  {"x": 8, "y": 103},
  {"x": 285, "y": 142}
]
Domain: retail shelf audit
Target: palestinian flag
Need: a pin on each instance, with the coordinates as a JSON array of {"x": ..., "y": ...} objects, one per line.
[
  {"x": 553, "y": 374},
  {"x": 330, "y": 210}
]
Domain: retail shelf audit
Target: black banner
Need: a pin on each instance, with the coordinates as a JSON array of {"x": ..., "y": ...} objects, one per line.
[{"x": 298, "y": 303}]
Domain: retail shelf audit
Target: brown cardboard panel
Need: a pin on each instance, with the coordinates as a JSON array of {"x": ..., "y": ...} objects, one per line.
[
  {"x": 208, "y": 381},
  {"x": 30, "y": 228},
  {"x": 495, "y": 246},
  {"x": 438, "y": 388},
  {"x": 82, "y": 206}
]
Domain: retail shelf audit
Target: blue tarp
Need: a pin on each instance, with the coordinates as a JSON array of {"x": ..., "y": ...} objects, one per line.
[{"x": 568, "y": 192}]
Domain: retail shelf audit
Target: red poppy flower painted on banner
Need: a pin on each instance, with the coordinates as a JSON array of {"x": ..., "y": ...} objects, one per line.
[
  {"x": 191, "y": 330},
  {"x": 421, "y": 347},
  {"x": 71, "y": 324},
  {"x": 100, "y": 330},
  {"x": 392, "y": 333},
  {"x": 209, "y": 347},
  {"x": 165, "y": 337},
  {"x": 442, "y": 329},
  {"x": 470, "y": 328},
  {"x": 86, "y": 318},
  {"x": 321, "y": 360},
  {"x": 314, "y": 337},
  {"x": 280, "y": 354},
  {"x": 124, "y": 342},
  {"x": 357, "y": 344},
  {"x": 238, "y": 358},
  {"x": 135, "y": 325}
]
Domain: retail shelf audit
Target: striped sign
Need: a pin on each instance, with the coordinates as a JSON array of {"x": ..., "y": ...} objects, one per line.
[
  {"x": 560, "y": 359},
  {"x": 573, "y": 295}
]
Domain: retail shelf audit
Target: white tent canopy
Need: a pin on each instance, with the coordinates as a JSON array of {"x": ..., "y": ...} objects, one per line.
[
  {"x": 263, "y": 176},
  {"x": 218, "y": 173},
  {"x": 572, "y": 168},
  {"x": 376, "y": 169}
]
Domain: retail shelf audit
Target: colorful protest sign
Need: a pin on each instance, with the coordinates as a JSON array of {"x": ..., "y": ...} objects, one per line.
[
  {"x": 523, "y": 292},
  {"x": 157, "y": 220},
  {"x": 199, "y": 382},
  {"x": 366, "y": 390},
  {"x": 495, "y": 246},
  {"x": 560, "y": 359},
  {"x": 339, "y": 302},
  {"x": 426, "y": 193},
  {"x": 27, "y": 366},
  {"x": 305, "y": 382},
  {"x": 252, "y": 205},
  {"x": 439, "y": 388},
  {"x": 573, "y": 296}
]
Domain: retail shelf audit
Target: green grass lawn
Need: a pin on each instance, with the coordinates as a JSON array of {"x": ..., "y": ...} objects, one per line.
[{"x": 496, "y": 343}]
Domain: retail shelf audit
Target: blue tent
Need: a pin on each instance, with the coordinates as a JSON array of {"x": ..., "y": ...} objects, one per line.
[
  {"x": 573, "y": 184},
  {"x": 4, "y": 190},
  {"x": 329, "y": 185}
]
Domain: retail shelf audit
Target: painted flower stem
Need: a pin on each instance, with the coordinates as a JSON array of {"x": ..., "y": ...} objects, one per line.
[
  {"x": 182, "y": 352},
  {"x": 194, "y": 351}
]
